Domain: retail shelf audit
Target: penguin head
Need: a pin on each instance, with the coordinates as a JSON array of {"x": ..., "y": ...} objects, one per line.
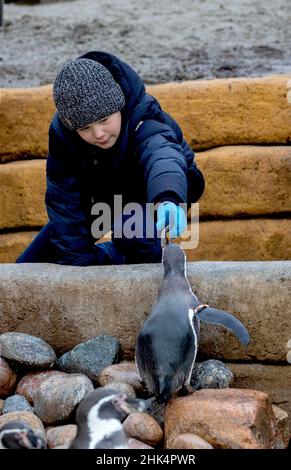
[
  {"x": 18, "y": 435},
  {"x": 103, "y": 404},
  {"x": 174, "y": 259}
]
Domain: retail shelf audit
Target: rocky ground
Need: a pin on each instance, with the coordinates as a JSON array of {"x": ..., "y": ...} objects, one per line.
[
  {"x": 166, "y": 40},
  {"x": 43, "y": 392}
]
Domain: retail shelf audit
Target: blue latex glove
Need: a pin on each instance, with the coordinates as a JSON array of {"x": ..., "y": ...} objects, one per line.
[{"x": 173, "y": 215}]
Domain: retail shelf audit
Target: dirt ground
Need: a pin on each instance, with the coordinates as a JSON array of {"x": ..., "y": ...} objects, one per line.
[{"x": 164, "y": 40}]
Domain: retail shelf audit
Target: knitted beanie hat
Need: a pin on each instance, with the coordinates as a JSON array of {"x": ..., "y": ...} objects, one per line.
[{"x": 84, "y": 92}]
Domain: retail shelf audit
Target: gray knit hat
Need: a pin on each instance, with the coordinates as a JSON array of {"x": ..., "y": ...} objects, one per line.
[{"x": 84, "y": 92}]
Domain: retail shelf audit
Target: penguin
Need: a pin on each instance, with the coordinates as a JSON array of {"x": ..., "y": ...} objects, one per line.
[
  {"x": 99, "y": 419},
  {"x": 167, "y": 343},
  {"x": 18, "y": 435}
]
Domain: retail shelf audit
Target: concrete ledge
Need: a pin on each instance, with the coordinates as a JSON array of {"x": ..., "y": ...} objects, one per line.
[
  {"x": 210, "y": 112},
  {"x": 67, "y": 305}
]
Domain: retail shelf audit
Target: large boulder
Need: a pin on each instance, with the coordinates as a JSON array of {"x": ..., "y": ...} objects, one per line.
[
  {"x": 227, "y": 419},
  {"x": 274, "y": 380},
  {"x": 67, "y": 305}
]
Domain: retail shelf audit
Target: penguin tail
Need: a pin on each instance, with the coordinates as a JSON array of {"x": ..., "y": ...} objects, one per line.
[{"x": 164, "y": 389}]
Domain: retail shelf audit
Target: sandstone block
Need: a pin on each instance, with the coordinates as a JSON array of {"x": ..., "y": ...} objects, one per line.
[
  {"x": 211, "y": 113},
  {"x": 13, "y": 244},
  {"x": 245, "y": 180},
  {"x": 22, "y": 194},
  {"x": 25, "y": 116},
  {"x": 229, "y": 111}
]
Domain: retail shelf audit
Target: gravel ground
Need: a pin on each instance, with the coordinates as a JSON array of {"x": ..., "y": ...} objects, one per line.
[{"x": 166, "y": 40}]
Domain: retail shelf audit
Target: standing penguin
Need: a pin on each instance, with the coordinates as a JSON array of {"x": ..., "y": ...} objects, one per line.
[
  {"x": 168, "y": 341},
  {"x": 18, "y": 435},
  {"x": 99, "y": 417}
]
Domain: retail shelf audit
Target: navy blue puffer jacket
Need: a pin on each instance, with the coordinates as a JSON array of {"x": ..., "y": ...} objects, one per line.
[{"x": 150, "y": 162}]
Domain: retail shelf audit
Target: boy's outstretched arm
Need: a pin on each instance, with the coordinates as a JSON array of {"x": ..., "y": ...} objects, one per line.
[{"x": 163, "y": 162}]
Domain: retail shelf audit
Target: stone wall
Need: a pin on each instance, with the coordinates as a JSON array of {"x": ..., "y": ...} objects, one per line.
[{"x": 239, "y": 129}]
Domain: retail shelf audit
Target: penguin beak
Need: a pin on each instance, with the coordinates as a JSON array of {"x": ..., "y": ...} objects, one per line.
[{"x": 129, "y": 405}]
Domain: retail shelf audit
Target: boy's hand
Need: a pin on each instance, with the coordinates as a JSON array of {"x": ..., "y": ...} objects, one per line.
[{"x": 174, "y": 216}]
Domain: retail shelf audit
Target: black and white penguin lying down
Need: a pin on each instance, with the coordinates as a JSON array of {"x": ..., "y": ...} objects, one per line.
[
  {"x": 99, "y": 425},
  {"x": 99, "y": 419},
  {"x": 167, "y": 342},
  {"x": 18, "y": 435}
]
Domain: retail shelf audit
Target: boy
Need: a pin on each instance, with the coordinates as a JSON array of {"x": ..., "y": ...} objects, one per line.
[{"x": 109, "y": 138}]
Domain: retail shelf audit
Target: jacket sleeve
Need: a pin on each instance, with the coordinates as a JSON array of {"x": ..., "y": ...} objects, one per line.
[
  {"x": 70, "y": 236},
  {"x": 163, "y": 162}
]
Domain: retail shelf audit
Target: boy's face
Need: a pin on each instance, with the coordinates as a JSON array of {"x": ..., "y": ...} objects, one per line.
[{"x": 102, "y": 133}]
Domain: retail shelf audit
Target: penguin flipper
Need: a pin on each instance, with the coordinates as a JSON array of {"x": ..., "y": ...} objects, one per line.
[{"x": 219, "y": 317}]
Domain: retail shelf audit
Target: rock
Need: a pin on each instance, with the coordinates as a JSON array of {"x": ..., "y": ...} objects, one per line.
[
  {"x": 8, "y": 378},
  {"x": 136, "y": 444},
  {"x": 122, "y": 387},
  {"x": 91, "y": 357},
  {"x": 226, "y": 418},
  {"x": 190, "y": 441},
  {"x": 274, "y": 380},
  {"x": 23, "y": 187},
  {"x": 143, "y": 427},
  {"x": 30, "y": 383},
  {"x": 157, "y": 411},
  {"x": 82, "y": 300},
  {"x": 27, "y": 350},
  {"x": 29, "y": 418},
  {"x": 253, "y": 169},
  {"x": 211, "y": 374},
  {"x": 123, "y": 372},
  {"x": 16, "y": 403},
  {"x": 61, "y": 436},
  {"x": 13, "y": 244},
  {"x": 57, "y": 397},
  {"x": 282, "y": 420}
]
